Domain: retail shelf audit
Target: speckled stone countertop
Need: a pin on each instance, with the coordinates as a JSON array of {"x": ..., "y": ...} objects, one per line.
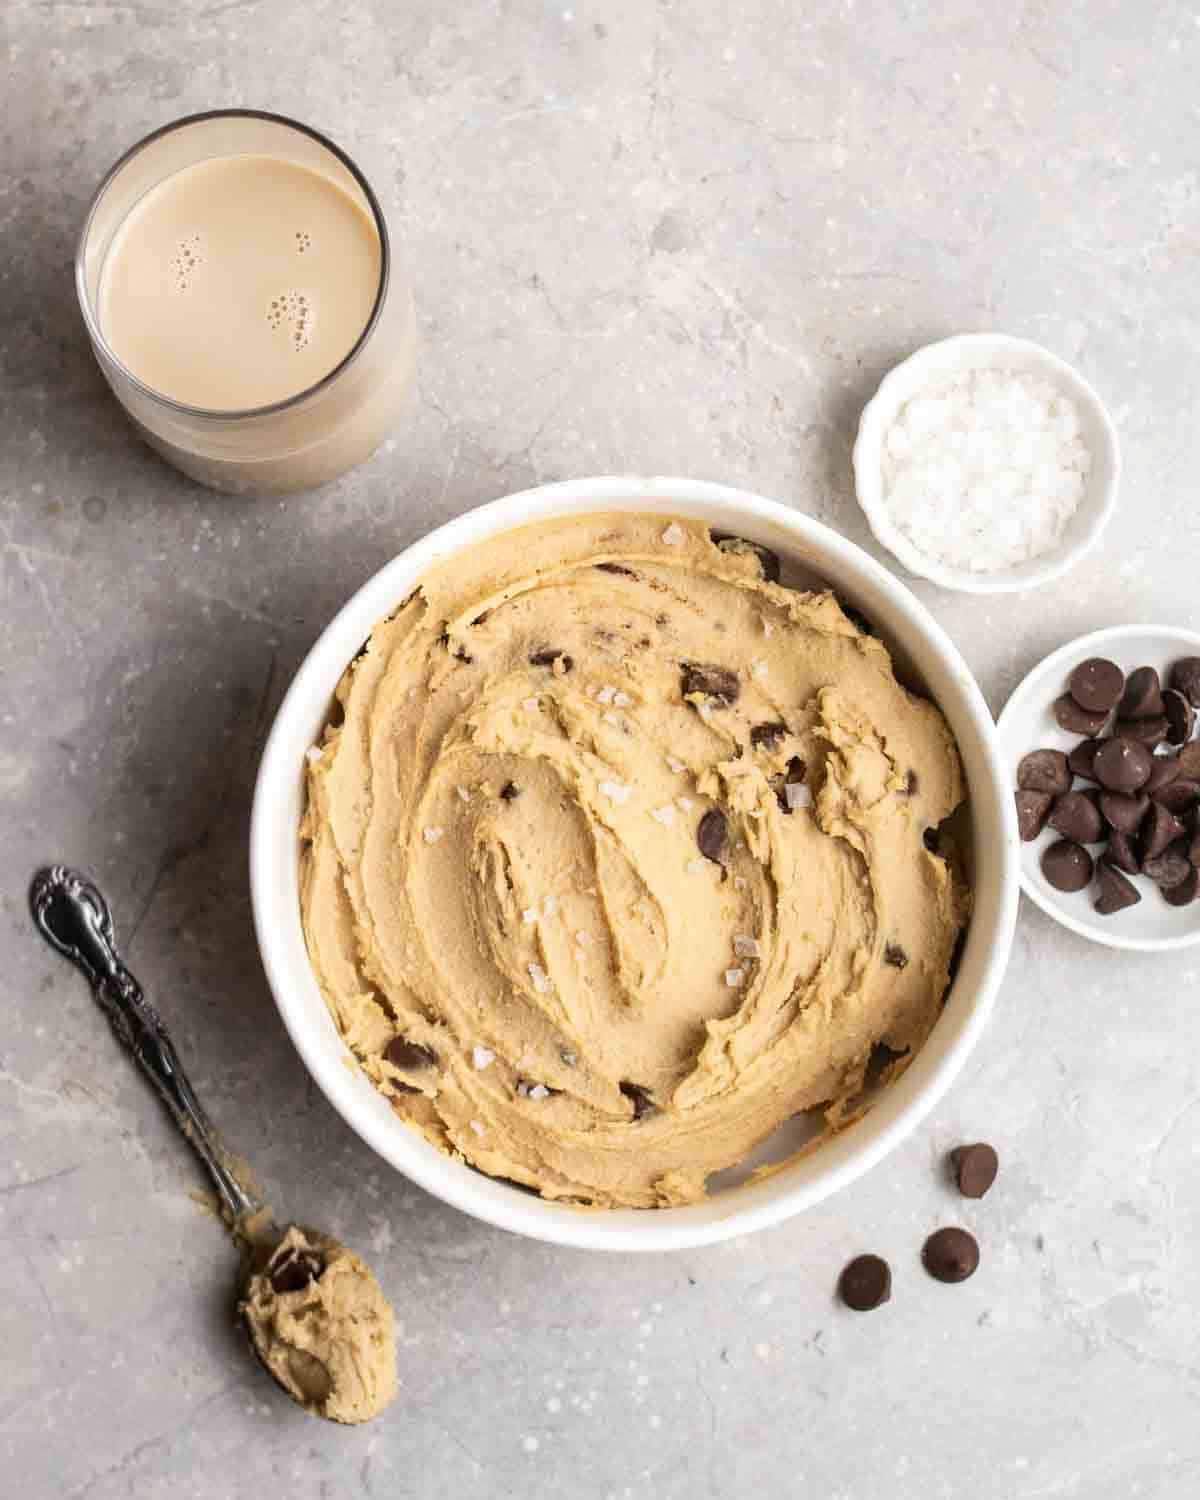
[{"x": 663, "y": 238}]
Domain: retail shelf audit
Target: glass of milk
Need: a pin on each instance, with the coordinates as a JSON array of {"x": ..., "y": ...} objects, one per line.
[{"x": 240, "y": 293}]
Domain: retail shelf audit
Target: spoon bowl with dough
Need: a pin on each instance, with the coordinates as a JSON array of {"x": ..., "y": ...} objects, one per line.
[{"x": 315, "y": 1315}]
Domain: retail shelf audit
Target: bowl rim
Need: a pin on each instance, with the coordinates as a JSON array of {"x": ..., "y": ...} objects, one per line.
[
  {"x": 1056, "y": 662},
  {"x": 844, "y": 1157},
  {"x": 903, "y": 377}
]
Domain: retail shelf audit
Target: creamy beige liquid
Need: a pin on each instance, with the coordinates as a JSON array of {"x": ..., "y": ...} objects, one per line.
[{"x": 238, "y": 282}]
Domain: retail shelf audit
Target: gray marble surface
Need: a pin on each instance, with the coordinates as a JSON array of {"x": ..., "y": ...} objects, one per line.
[{"x": 666, "y": 237}]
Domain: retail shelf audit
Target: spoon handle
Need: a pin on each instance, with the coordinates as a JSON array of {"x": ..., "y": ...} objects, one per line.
[{"x": 74, "y": 918}]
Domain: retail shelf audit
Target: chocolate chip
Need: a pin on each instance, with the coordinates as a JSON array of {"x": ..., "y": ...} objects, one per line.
[
  {"x": 1122, "y": 765},
  {"x": 975, "y": 1168},
  {"x": 767, "y": 734},
  {"x": 1163, "y": 770},
  {"x": 1122, "y": 852},
  {"x": 460, "y": 654},
  {"x": 1171, "y": 867},
  {"x": 1067, "y": 866},
  {"x": 1075, "y": 720},
  {"x": 1189, "y": 761},
  {"x": 794, "y": 774},
  {"x": 1149, "y": 732},
  {"x": 768, "y": 561},
  {"x": 1076, "y": 816},
  {"x": 712, "y": 835},
  {"x": 1142, "y": 698},
  {"x": 1096, "y": 684},
  {"x": 705, "y": 680},
  {"x": 1185, "y": 676},
  {"x": 1082, "y": 759},
  {"x": 402, "y": 1053},
  {"x": 296, "y": 1270},
  {"x": 1184, "y": 893},
  {"x": 1181, "y": 716},
  {"x": 895, "y": 955},
  {"x": 641, "y": 1099},
  {"x": 1161, "y": 828},
  {"x": 1178, "y": 795},
  {"x": 612, "y": 567},
  {"x": 931, "y": 840},
  {"x": 548, "y": 656},
  {"x": 1115, "y": 893},
  {"x": 1033, "y": 808},
  {"x": 1123, "y": 813},
  {"x": 1044, "y": 771},
  {"x": 865, "y": 1283},
  {"x": 951, "y": 1255},
  {"x": 510, "y": 791},
  {"x": 912, "y": 784}
]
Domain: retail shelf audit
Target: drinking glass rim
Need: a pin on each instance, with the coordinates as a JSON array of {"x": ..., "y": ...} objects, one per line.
[{"x": 205, "y": 413}]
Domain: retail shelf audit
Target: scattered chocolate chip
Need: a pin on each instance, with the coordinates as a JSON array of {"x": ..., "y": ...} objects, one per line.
[
  {"x": 1044, "y": 771},
  {"x": 1075, "y": 720},
  {"x": 1148, "y": 732},
  {"x": 703, "y": 679},
  {"x": 895, "y": 955},
  {"x": 463, "y": 655},
  {"x": 1178, "y": 795},
  {"x": 975, "y": 1168},
  {"x": 1116, "y": 892},
  {"x": 402, "y": 1053},
  {"x": 444, "y": 640},
  {"x": 641, "y": 1099},
  {"x": 296, "y": 1270},
  {"x": 767, "y": 734},
  {"x": 1171, "y": 867},
  {"x": 1142, "y": 698},
  {"x": 1180, "y": 715},
  {"x": 548, "y": 656},
  {"x": 1160, "y": 828},
  {"x": 1122, "y": 852},
  {"x": 1033, "y": 808},
  {"x": 1097, "y": 684},
  {"x": 1122, "y": 765},
  {"x": 1081, "y": 760},
  {"x": 1122, "y": 812},
  {"x": 768, "y": 561},
  {"x": 712, "y": 835},
  {"x": 1185, "y": 677},
  {"x": 1076, "y": 816},
  {"x": 1163, "y": 770},
  {"x": 931, "y": 840},
  {"x": 1067, "y": 866},
  {"x": 866, "y": 1283},
  {"x": 951, "y": 1255},
  {"x": 510, "y": 791},
  {"x": 912, "y": 784},
  {"x": 612, "y": 567},
  {"x": 1184, "y": 893},
  {"x": 1189, "y": 761}
]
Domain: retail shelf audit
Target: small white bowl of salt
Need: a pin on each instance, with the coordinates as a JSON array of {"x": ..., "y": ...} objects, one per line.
[{"x": 986, "y": 464}]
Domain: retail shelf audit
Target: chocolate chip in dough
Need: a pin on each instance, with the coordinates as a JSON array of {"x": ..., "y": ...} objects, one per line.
[
  {"x": 1124, "y": 813},
  {"x": 767, "y": 735},
  {"x": 612, "y": 567},
  {"x": 1076, "y": 816},
  {"x": 712, "y": 835},
  {"x": 1082, "y": 759},
  {"x": 895, "y": 956},
  {"x": 866, "y": 1283},
  {"x": 703, "y": 679},
  {"x": 1033, "y": 808},
  {"x": 548, "y": 656},
  {"x": 1160, "y": 829},
  {"x": 1116, "y": 892},
  {"x": 1180, "y": 715},
  {"x": 1184, "y": 893},
  {"x": 1148, "y": 732},
  {"x": 295, "y": 1271},
  {"x": 1178, "y": 796},
  {"x": 510, "y": 791},
  {"x": 1067, "y": 866},
  {"x": 912, "y": 784},
  {"x": 1097, "y": 684},
  {"x": 1122, "y": 765},
  {"x": 1075, "y": 720},
  {"x": 1122, "y": 852},
  {"x": 1170, "y": 868},
  {"x": 1044, "y": 771},
  {"x": 641, "y": 1099},
  {"x": 1142, "y": 698},
  {"x": 932, "y": 841},
  {"x": 1185, "y": 677},
  {"x": 402, "y": 1053},
  {"x": 768, "y": 561},
  {"x": 975, "y": 1168},
  {"x": 951, "y": 1255},
  {"x": 1163, "y": 770}
]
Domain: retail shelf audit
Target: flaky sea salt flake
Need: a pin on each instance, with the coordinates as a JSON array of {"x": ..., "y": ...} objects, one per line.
[
  {"x": 615, "y": 792},
  {"x": 431, "y": 835},
  {"x": 542, "y": 982},
  {"x": 539, "y": 1091},
  {"x": 745, "y": 947},
  {"x": 797, "y": 795},
  {"x": 482, "y": 1057},
  {"x": 734, "y": 977},
  {"x": 476, "y": 1126},
  {"x": 674, "y": 535},
  {"x": 663, "y": 815},
  {"x": 676, "y": 765}
]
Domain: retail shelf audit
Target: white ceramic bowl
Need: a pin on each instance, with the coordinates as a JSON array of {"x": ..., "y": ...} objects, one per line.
[
  {"x": 922, "y": 652},
  {"x": 1027, "y": 723},
  {"x": 988, "y": 351}
]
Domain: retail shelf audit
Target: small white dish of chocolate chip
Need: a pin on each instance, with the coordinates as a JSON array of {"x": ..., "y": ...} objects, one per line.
[{"x": 1103, "y": 742}]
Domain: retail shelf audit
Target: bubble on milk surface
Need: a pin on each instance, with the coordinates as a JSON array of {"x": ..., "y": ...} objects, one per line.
[
  {"x": 303, "y": 241},
  {"x": 188, "y": 258},
  {"x": 293, "y": 312}
]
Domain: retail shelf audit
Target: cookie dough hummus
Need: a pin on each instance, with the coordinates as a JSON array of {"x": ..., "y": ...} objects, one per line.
[
  {"x": 320, "y": 1324},
  {"x": 617, "y": 855}
]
